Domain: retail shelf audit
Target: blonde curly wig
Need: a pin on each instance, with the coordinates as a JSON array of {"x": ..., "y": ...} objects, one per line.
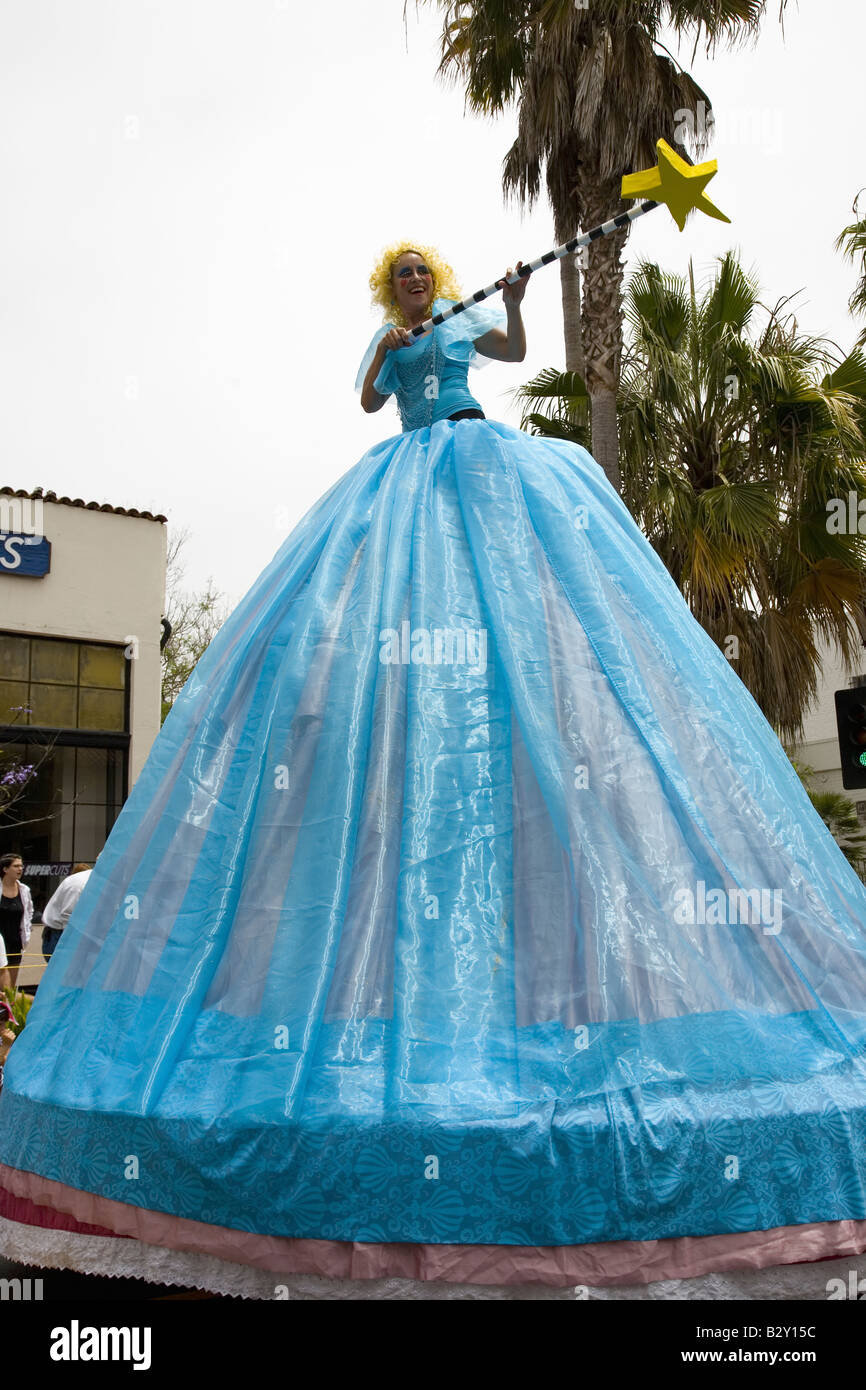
[{"x": 445, "y": 284}]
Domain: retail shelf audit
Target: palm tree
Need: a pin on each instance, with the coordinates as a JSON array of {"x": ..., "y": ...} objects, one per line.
[
  {"x": 839, "y": 814},
  {"x": 595, "y": 92},
  {"x": 735, "y": 437},
  {"x": 852, "y": 241},
  {"x": 556, "y": 404}
]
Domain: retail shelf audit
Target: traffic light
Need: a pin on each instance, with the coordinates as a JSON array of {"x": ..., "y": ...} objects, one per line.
[{"x": 851, "y": 724}]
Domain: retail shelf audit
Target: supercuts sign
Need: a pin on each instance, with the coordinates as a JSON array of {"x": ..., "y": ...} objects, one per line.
[
  {"x": 23, "y": 547},
  {"x": 24, "y": 555}
]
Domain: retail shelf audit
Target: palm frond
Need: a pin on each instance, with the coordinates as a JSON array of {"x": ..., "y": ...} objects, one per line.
[{"x": 731, "y": 444}]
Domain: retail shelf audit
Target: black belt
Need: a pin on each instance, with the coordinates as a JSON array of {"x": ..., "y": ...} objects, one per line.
[{"x": 468, "y": 415}]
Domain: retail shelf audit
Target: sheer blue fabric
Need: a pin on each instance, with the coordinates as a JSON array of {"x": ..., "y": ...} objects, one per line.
[
  {"x": 466, "y": 895},
  {"x": 429, "y": 378}
]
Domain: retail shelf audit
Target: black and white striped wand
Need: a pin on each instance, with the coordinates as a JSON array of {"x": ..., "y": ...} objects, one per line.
[{"x": 680, "y": 186}]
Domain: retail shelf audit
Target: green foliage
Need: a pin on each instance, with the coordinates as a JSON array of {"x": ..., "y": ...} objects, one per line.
[
  {"x": 20, "y": 1004},
  {"x": 839, "y": 814},
  {"x": 195, "y": 620},
  {"x": 594, "y": 86},
  {"x": 736, "y": 432},
  {"x": 556, "y": 405},
  {"x": 852, "y": 242}
]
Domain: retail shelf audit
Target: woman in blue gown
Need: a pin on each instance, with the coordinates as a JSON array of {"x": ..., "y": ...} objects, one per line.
[{"x": 466, "y": 896}]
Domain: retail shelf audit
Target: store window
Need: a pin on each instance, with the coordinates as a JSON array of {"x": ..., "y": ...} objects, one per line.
[
  {"x": 64, "y": 729},
  {"x": 50, "y": 683}
]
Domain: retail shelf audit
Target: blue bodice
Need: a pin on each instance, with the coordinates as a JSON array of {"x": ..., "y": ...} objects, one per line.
[
  {"x": 428, "y": 386},
  {"x": 429, "y": 378}
]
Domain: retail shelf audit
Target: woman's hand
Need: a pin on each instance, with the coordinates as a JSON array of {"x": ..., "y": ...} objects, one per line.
[
  {"x": 512, "y": 294},
  {"x": 396, "y": 338}
]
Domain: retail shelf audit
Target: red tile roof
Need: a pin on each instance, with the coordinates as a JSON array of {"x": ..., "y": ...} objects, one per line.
[{"x": 38, "y": 493}]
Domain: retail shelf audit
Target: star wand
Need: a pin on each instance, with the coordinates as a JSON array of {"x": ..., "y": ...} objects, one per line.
[{"x": 672, "y": 182}]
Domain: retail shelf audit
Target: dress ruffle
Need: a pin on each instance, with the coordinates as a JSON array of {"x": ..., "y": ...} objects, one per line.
[
  {"x": 456, "y": 339},
  {"x": 138, "y": 1243}
]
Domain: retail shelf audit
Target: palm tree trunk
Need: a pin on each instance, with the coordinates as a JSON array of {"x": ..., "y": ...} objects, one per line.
[
  {"x": 602, "y": 322},
  {"x": 569, "y": 276},
  {"x": 605, "y": 435}
]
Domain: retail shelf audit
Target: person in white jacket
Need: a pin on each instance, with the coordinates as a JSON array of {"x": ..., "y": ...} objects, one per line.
[
  {"x": 16, "y": 911},
  {"x": 5, "y": 979},
  {"x": 59, "y": 907}
]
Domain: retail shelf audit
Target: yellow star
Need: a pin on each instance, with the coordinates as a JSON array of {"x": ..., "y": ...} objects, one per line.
[{"x": 678, "y": 185}]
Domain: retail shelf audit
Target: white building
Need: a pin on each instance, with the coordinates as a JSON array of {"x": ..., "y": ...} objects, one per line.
[
  {"x": 82, "y": 587},
  {"x": 820, "y": 746}
]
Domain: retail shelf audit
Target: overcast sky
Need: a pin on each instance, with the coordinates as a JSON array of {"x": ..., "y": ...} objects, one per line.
[{"x": 194, "y": 193}]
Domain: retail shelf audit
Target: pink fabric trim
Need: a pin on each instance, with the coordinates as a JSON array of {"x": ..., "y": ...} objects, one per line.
[
  {"x": 610, "y": 1262},
  {"x": 27, "y": 1213}
]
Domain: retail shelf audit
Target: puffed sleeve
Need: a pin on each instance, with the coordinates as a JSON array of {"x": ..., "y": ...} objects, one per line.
[
  {"x": 384, "y": 382},
  {"x": 458, "y": 334}
]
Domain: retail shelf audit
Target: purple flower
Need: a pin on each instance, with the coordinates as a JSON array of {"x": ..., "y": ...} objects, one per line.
[{"x": 16, "y": 776}]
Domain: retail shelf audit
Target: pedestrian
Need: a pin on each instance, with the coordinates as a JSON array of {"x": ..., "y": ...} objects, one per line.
[
  {"x": 58, "y": 909},
  {"x": 5, "y": 980},
  {"x": 16, "y": 911}
]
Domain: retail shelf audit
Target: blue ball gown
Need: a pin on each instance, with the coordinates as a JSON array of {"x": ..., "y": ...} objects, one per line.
[{"x": 466, "y": 898}]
